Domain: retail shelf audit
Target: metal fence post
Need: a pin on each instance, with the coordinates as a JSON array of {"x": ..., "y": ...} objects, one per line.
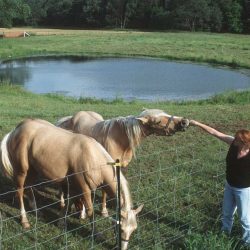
[{"x": 118, "y": 171}]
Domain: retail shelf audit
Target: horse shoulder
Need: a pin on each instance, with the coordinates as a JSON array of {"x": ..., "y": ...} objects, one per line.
[
  {"x": 89, "y": 157},
  {"x": 122, "y": 152}
]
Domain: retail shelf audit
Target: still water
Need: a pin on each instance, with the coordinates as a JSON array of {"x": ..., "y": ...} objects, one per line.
[{"x": 143, "y": 79}]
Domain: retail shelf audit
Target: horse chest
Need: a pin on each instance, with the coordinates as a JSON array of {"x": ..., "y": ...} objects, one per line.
[{"x": 124, "y": 155}]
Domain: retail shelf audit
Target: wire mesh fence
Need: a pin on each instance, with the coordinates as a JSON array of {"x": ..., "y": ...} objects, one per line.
[{"x": 180, "y": 187}]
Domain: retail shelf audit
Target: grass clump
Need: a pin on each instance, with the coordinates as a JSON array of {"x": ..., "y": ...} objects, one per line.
[
  {"x": 231, "y": 97},
  {"x": 211, "y": 241}
]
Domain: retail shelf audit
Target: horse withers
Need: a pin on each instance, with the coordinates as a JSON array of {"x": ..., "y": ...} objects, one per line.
[
  {"x": 37, "y": 148},
  {"x": 121, "y": 135}
]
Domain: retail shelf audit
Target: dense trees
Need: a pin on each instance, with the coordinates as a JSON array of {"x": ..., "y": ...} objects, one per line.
[
  {"x": 193, "y": 15},
  {"x": 13, "y": 9}
]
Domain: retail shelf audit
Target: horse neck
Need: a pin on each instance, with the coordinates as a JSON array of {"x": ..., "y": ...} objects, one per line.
[
  {"x": 110, "y": 181},
  {"x": 146, "y": 131},
  {"x": 128, "y": 126},
  {"x": 127, "y": 201}
]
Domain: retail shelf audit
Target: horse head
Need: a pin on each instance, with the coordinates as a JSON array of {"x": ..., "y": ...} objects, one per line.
[
  {"x": 128, "y": 225},
  {"x": 158, "y": 122}
]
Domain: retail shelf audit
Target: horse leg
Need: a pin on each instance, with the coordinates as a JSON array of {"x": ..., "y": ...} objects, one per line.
[
  {"x": 61, "y": 194},
  {"x": 79, "y": 206},
  {"x": 20, "y": 179},
  {"x": 104, "y": 205},
  {"x": 83, "y": 214},
  {"x": 64, "y": 211},
  {"x": 30, "y": 192},
  {"x": 63, "y": 190},
  {"x": 86, "y": 205},
  {"x": 87, "y": 202}
]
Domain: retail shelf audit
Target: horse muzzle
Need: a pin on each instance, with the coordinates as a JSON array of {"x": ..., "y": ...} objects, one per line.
[{"x": 124, "y": 245}]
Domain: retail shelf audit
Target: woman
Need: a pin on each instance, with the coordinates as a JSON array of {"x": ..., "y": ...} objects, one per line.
[{"x": 237, "y": 188}]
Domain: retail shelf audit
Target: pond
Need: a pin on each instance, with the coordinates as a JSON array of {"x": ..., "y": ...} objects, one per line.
[{"x": 127, "y": 78}]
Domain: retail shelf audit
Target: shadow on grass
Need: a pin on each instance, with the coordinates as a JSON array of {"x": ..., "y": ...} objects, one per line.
[{"x": 48, "y": 215}]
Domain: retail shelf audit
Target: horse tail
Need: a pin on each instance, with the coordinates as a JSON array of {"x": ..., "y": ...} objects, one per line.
[
  {"x": 5, "y": 164},
  {"x": 65, "y": 122}
]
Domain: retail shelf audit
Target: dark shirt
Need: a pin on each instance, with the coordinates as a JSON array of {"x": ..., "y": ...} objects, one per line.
[{"x": 238, "y": 170}]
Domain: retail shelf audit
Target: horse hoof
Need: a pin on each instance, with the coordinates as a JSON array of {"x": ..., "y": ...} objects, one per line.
[
  {"x": 62, "y": 205},
  {"x": 82, "y": 216},
  {"x": 25, "y": 225},
  {"x": 105, "y": 214}
]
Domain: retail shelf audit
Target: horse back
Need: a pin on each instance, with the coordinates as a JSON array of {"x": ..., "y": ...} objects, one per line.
[
  {"x": 40, "y": 146},
  {"x": 84, "y": 121},
  {"x": 54, "y": 152}
]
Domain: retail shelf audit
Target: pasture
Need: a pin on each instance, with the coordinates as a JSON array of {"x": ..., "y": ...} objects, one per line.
[
  {"x": 179, "y": 179},
  {"x": 222, "y": 49}
]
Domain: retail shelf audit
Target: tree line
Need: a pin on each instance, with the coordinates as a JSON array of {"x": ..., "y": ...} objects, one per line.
[{"x": 194, "y": 15}]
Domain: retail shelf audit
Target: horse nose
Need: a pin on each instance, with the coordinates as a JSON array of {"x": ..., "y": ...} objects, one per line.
[
  {"x": 184, "y": 123},
  {"x": 124, "y": 245}
]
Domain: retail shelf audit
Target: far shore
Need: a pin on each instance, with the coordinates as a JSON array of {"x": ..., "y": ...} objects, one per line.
[{"x": 201, "y": 47}]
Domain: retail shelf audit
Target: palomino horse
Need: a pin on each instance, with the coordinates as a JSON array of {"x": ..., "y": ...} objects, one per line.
[
  {"x": 120, "y": 136},
  {"x": 38, "y": 148}
]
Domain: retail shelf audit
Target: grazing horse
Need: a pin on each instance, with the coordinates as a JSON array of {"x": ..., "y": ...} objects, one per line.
[
  {"x": 120, "y": 136},
  {"x": 37, "y": 148}
]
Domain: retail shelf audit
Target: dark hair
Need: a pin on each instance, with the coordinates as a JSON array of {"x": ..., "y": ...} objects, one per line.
[{"x": 243, "y": 136}]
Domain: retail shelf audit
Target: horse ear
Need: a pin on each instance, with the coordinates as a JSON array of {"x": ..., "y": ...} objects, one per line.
[
  {"x": 144, "y": 120},
  {"x": 138, "y": 210}
]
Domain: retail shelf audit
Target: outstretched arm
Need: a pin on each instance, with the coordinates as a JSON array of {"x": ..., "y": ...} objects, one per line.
[{"x": 223, "y": 137}]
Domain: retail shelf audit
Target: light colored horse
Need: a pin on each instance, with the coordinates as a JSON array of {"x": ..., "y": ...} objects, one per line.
[
  {"x": 120, "y": 136},
  {"x": 38, "y": 148}
]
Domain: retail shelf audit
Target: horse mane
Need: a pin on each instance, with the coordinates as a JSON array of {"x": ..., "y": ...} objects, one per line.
[
  {"x": 127, "y": 206},
  {"x": 129, "y": 125}
]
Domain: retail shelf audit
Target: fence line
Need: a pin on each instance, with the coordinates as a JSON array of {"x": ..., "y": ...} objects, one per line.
[{"x": 170, "y": 192}]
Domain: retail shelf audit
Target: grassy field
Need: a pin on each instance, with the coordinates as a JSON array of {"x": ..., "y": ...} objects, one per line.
[
  {"x": 224, "y": 49},
  {"x": 179, "y": 179}
]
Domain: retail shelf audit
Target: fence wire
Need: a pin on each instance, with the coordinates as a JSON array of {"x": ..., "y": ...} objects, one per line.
[{"x": 177, "y": 187}]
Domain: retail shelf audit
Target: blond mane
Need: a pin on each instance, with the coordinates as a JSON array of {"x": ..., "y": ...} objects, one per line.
[
  {"x": 127, "y": 206},
  {"x": 129, "y": 125}
]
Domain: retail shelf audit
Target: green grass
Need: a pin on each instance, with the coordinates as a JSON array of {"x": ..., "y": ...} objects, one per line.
[
  {"x": 179, "y": 179},
  {"x": 224, "y": 49}
]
